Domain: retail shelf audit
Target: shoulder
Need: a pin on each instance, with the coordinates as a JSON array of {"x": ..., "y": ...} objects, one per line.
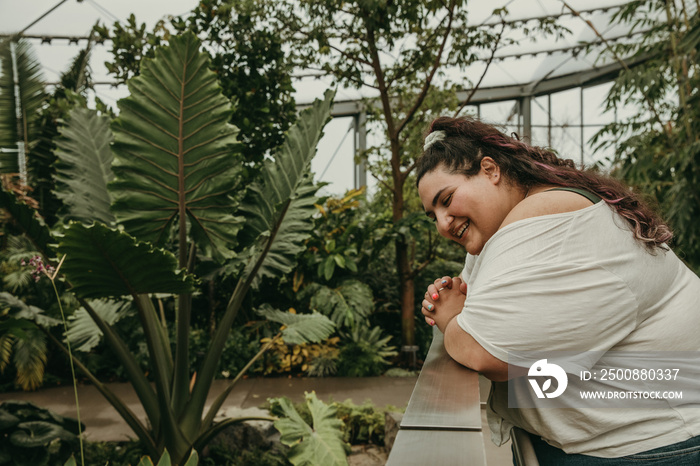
[{"x": 542, "y": 202}]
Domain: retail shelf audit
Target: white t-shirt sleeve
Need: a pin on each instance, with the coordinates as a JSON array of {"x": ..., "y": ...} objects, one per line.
[{"x": 547, "y": 306}]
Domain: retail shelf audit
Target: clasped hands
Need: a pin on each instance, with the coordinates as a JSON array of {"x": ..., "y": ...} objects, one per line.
[{"x": 443, "y": 300}]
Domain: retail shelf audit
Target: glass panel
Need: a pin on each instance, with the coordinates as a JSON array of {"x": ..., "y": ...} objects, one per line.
[{"x": 334, "y": 162}]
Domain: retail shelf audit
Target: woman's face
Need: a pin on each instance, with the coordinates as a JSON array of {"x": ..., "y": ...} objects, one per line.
[{"x": 467, "y": 210}]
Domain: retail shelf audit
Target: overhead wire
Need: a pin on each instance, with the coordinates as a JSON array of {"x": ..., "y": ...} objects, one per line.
[{"x": 48, "y": 12}]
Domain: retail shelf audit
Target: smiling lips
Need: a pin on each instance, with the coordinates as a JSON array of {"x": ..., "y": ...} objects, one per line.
[{"x": 460, "y": 231}]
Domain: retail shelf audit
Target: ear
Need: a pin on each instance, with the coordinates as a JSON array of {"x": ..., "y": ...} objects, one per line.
[{"x": 490, "y": 168}]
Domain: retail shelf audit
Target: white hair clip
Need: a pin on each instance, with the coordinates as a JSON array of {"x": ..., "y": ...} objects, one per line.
[{"x": 433, "y": 137}]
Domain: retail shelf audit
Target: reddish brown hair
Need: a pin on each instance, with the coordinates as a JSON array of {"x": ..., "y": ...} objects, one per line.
[{"x": 468, "y": 140}]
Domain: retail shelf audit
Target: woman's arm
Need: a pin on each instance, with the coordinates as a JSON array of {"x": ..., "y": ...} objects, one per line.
[
  {"x": 464, "y": 349},
  {"x": 447, "y": 297}
]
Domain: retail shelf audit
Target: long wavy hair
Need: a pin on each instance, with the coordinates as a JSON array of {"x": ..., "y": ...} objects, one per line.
[{"x": 467, "y": 141}]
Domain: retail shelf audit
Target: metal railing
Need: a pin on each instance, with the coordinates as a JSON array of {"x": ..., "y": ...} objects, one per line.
[{"x": 442, "y": 424}]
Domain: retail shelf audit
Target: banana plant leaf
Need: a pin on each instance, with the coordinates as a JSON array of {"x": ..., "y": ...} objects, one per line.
[
  {"x": 175, "y": 153},
  {"x": 84, "y": 167},
  {"x": 30, "y": 84},
  {"x": 105, "y": 263}
]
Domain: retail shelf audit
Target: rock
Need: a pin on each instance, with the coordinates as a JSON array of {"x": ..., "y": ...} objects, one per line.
[
  {"x": 392, "y": 421},
  {"x": 246, "y": 435},
  {"x": 367, "y": 455}
]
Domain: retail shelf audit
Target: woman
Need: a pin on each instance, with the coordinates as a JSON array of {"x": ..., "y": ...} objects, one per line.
[{"x": 559, "y": 259}]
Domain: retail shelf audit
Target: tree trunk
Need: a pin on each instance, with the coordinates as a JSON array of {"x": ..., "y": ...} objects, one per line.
[
  {"x": 407, "y": 300},
  {"x": 403, "y": 265}
]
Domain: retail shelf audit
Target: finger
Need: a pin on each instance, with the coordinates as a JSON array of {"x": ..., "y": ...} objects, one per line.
[
  {"x": 430, "y": 321},
  {"x": 463, "y": 288},
  {"x": 428, "y": 307},
  {"x": 433, "y": 292},
  {"x": 442, "y": 283}
]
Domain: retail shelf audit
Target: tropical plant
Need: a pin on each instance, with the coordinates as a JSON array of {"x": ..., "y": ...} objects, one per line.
[
  {"x": 176, "y": 185},
  {"x": 404, "y": 53},
  {"x": 30, "y": 435},
  {"x": 319, "y": 441},
  {"x": 21, "y": 340},
  {"x": 657, "y": 146},
  {"x": 246, "y": 53},
  {"x": 348, "y": 305},
  {"x": 366, "y": 352},
  {"x": 362, "y": 424},
  {"x": 21, "y": 101}
]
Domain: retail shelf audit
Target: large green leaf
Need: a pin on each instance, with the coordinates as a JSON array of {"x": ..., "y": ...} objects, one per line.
[
  {"x": 286, "y": 189},
  {"x": 35, "y": 434},
  {"x": 347, "y": 305},
  {"x": 30, "y": 85},
  {"x": 288, "y": 237},
  {"x": 105, "y": 263},
  {"x": 299, "y": 328},
  {"x": 175, "y": 163},
  {"x": 312, "y": 445},
  {"x": 279, "y": 208},
  {"x": 29, "y": 357},
  {"x": 83, "y": 333},
  {"x": 27, "y": 220},
  {"x": 84, "y": 167},
  {"x": 285, "y": 173},
  {"x": 18, "y": 309}
]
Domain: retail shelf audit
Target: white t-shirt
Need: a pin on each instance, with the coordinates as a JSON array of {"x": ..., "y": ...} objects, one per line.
[{"x": 579, "y": 281}]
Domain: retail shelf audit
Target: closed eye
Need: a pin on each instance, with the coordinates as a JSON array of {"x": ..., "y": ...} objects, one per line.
[{"x": 446, "y": 201}]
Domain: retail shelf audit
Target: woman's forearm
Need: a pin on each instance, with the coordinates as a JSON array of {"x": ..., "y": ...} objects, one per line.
[{"x": 464, "y": 349}]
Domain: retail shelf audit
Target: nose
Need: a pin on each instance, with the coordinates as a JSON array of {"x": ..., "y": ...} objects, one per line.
[{"x": 444, "y": 222}]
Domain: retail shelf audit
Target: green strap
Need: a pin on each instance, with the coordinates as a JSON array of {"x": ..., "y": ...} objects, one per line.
[{"x": 594, "y": 198}]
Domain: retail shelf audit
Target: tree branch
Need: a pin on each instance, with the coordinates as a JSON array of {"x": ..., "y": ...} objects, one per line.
[
  {"x": 436, "y": 64},
  {"x": 666, "y": 129},
  {"x": 410, "y": 64},
  {"x": 488, "y": 64}
]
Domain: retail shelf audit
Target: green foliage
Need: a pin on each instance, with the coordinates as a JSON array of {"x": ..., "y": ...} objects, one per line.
[
  {"x": 25, "y": 220},
  {"x": 299, "y": 328},
  {"x": 348, "y": 305},
  {"x": 314, "y": 443},
  {"x": 105, "y": 263},
  {"x": 316, "y": 359},
  {"x": 18, "y": 124},
  {"x": 246, "y": 54},
  {"x": 176, "y": 119},
  {"x": 221, "y": 456},
  {"x": 192, "y": 460},
  {"x": 367, "y": 353},
  {"x": 21, "y": 341},
  {"x": 250, "y": 58},
  {"x": 177, "y": 187},
  {"x": 362, "y": 424},
  {"x": 84, "y": 167},
  {"x": 281, "y": 205},
  {"x": 425, "y": 39},
  {"x": 83, "y": 333},
  {"x": 34, "y": 436},
  {"x": 658, "y": 146},
  {"x": 340, "y": 236}
]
